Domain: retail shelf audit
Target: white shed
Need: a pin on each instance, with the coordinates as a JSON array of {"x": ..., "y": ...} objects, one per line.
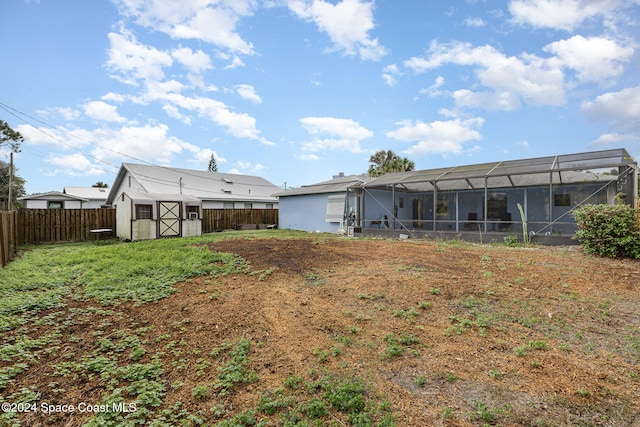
[{"x": 155, "y": 216}]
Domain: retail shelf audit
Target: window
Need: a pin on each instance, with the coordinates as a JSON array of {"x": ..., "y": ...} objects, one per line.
[
  {"x": 54, "y": 205},
  {"x": 562, "y": 199},
  {"x": 269, "y": 206},
  {"x": 228, "y": 205},
  {"x": 401, "y": 202},
  {"x": 248, "y": 205},
  {"x": 193, "y": 212},
  {"x": 143, "y": 212}
]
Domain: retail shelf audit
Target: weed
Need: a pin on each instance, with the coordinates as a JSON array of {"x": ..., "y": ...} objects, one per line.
[
  {"x": 409, "y": 315},
  {"x": 421, "y": 380},
  {"x": 394, "y": 349},
  {"x": 495, "y": 373},
  {"x": 235, "y": 370}
]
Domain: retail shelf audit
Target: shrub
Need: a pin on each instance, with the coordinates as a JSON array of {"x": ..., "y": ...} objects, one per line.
[{"x": 608, "y": 230}]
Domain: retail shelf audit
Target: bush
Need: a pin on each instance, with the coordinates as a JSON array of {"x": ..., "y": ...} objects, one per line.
[{"x": 608, "y": 230}]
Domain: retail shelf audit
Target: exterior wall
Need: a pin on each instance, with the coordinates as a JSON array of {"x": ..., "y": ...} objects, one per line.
[
  {"x": 91, "y": 204},
  {"x": 67, "y": 204},
  {"x": 36, "y": 204},
  {"x": 143, "y": 229},
  {"x": 215, "y": 204},
  {"x": 191, "y": 227},
  {"x": 306, "y": 212}
]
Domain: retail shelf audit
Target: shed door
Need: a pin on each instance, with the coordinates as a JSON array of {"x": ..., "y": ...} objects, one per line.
[{"x": 169, "y": 220}]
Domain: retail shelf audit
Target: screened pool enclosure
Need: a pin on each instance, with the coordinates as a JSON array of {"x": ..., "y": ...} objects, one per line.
[{"x": 492, "y": 197}]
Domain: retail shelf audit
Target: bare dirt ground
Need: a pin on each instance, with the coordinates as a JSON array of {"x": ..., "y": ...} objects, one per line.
[{"x": 497, "y": 335}]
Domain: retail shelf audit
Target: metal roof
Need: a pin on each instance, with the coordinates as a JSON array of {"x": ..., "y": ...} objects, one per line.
[
  {"x": 561, "y": 169},
  {"x": 204, "y": 185},
  {"x": 91, "y": 193},
  {"x": 337, "y": 185}
]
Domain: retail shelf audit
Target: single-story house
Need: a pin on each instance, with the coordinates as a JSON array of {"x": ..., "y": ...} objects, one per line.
[
  {"x": 215, "y": 190},
  {"x": 144, "y": 216},
  {"x": 95, "y": 196},
  {"x": 53, "y": 200},
  {"x": 469, "y": 201},
  {"x": 69, "y": 198},
  {"x": 318, "y": 207}
]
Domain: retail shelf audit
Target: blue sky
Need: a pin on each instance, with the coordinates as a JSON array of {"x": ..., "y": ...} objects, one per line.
[{"x": 297, "y": 91}]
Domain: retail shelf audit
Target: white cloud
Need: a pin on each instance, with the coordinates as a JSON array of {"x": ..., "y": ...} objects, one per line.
[
  {"x": 100, "y": 110},
  {"x": 129, "y": 61},
  {"x": 72, "y": 165},
  {"x": 441, "y": 137},
  {"x": 195, "y": 62},
  {"x": 527, "y": 78},
  {"x": 209, "y": 21},
  {"x": 595, "y": 59},
  {"x": 390, "y": 74},
  {"x": 474, "y": 22},
  {"x": 310, "y": 157},
  {"x": 247, "y": 167},
  {"x": 151, "y": 143},
  {"x": 248, "y": 92},
  {"x": 331, "y": 133},
  {"x": 564, "y": 14},
  {"x": 433, "y": 90},
  {"x": 347, "y": 23},
  {"x": 621, "y": 109}
]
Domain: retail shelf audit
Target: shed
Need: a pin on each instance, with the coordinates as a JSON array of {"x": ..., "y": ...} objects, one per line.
[{"x": 144, "y": 216}]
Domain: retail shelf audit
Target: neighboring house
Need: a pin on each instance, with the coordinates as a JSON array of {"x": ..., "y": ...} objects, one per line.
[
  {"x": 215, "y": 190},
  {"x": 486, "y": 198},
  {"x": 53, "y": 200},
  {"x": 318, "y": 207},
  {"x": 95, "y": 196},
  {"x": 155, "y": 216}
]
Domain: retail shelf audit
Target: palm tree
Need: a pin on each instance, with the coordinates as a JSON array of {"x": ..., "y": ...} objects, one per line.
[{"x": 386, "y": 161}]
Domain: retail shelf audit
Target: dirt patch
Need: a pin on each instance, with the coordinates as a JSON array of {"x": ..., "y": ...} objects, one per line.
[{"x": 449, "y": 335}]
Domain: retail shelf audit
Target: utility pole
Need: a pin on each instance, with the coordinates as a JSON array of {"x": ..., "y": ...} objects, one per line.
[{"x": 10, "y": 179}]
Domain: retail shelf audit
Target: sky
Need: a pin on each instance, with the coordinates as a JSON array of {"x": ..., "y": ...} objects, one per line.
[{"x": 297, "y": 91}]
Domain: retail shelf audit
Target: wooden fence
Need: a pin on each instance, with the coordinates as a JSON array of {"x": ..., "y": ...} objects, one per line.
[
  {"x": 227, "y": 219},
  {"x": 8, "y": 236},
  {"x": 64, "y": 225},
  {"x": 30, "y": 226}
]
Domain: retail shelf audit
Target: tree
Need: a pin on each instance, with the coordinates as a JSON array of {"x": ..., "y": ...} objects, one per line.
[
  {"x": 213, "y": 166},
  {"x": 100, "y": 184},
  {"x": 11, "y": 136},
  {"x": 386, "y": 161},
  {"x": 17, "y": 187}
]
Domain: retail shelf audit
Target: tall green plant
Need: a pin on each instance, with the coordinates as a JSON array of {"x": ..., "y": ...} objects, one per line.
[{"x": 523, "y": 218}]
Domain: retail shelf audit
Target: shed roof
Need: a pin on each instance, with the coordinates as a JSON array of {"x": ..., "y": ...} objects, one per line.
[
  {"x": 561, "y": 169},
  {"x": 154, "y": 197},
  {"x": 204, "y": 185},
  {"x": 335, "y": 185}
]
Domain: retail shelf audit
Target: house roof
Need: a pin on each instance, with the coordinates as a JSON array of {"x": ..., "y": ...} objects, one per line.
[
  {"x": 562, "y": 169},
  {"x": 204, "y": 185},
  {"x": 336, "y": 185},
  {"x": 53, "y": 196},
  {"x": 91, "y": 193}
]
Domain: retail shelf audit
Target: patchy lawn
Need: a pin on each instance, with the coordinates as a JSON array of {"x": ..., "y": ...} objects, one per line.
[{"x": 280, "y": 328}]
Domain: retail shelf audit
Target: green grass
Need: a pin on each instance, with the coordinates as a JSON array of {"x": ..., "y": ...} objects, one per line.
[{"x": 141, "y": 272}]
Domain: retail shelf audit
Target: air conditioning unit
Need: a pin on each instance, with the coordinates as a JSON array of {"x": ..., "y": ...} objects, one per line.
[{"x": 193, "y": 215}]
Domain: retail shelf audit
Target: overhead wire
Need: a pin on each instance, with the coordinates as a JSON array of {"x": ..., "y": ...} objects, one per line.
[{"x": 20, "y": 115}]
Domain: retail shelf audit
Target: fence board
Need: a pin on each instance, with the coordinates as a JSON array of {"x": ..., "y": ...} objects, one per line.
[
  {"x": 233, "y": 219},
  {"x": 8, "y": 240},
  {"x": 62, "y": 225}
]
